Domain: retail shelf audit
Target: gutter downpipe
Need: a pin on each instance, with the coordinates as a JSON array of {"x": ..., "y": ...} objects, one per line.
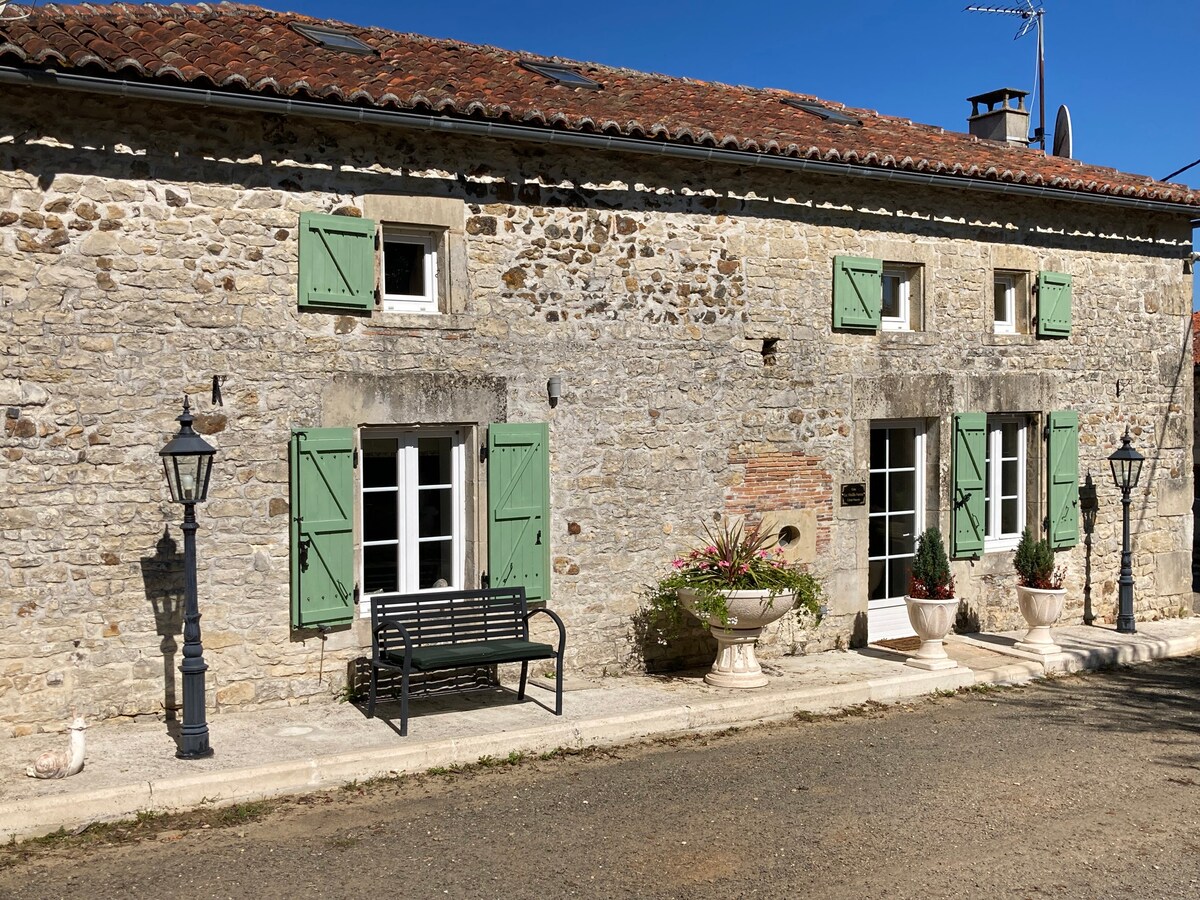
[{"x": 206, "y": 98}]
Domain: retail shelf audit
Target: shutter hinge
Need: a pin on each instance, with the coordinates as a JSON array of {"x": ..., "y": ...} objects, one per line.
[
  {"x": 356, "y": 593},
  {"x": 483, "y": 452},
  {"x": 485, "y": 580},
  {"x": 355, "y": 458},
  {"x": 378, "y": 296}
]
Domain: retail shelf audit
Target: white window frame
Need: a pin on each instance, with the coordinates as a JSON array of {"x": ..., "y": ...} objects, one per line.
[
  {"x": 993, "y": 539},
  {"x": 1008, "y": 324},
  {"x": 903, "y": 321},
  {"x": 412, "y": 303},
  {"x": 408, "y": 508}
]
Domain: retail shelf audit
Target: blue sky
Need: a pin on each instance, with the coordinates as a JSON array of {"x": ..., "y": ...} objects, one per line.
[{"x": 1126, "y": 68}]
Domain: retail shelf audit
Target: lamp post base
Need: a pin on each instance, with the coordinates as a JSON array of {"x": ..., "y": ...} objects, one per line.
[{"x": 194, "y": 754}]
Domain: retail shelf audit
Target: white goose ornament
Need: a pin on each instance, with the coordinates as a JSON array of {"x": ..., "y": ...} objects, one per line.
[{"x": 61, "y": 763}]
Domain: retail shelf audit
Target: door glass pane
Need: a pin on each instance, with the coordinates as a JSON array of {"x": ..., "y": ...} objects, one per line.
[
  {"x": 903, "y": 488},
  {"x": 436, "y": 564},
  {"x": 898, "y": 572},
  {"x": 877, "y": 536},
  {"x": 900, "y": 534},
  {"x": 435, "y": 512},
  {"x": 1009, "y": 516},
  {"x": 379, "y": 516},
  {"x": 902, "y": 447},
  {"x": 433, "y": 460},
  {"x": 1009, "y": 473},
  {"x": 379, "y": 569},
  {"x": 878, "y": 499},
  {"x": 879, "y": 448},
  {"x": 379, "y": 462},
  {"x": 1009, "y": 445},
  {"x": 876, "y": 581}
]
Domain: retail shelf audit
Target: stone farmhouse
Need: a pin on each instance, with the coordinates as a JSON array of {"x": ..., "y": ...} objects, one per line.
[{"x": 368, "y": 259}]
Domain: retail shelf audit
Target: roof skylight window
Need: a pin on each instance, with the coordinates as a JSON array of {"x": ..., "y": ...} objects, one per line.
[
  {"x": 564, "y": 75},
  {"x": 332, "y": 39},
  {"x": 824, "y": 112}
]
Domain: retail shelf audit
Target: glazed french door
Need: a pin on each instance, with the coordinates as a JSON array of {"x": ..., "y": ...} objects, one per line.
[{"x": 896, "y": 518}]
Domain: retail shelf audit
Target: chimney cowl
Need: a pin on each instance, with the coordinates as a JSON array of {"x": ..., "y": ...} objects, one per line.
[{"x": 1002, "y": 120}]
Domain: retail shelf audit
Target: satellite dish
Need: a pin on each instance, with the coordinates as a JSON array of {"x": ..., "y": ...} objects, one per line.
[{"x": 1062, "y": 133}]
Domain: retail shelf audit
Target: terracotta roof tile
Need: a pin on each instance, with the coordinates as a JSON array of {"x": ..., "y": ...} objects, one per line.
[{"x": 246, "y": 48}]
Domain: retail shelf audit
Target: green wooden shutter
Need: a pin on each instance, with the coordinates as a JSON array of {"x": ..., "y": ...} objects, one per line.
[
  {"x": 969, "y": 472},
  {"x": 519, "y": 508},
  {"x": 322, "y": 530},
  {"x": 1054, "y": 304},
  {"x": 857, "y": 292},
  {"x": 1062, "y": 500},
  {"x": 337, "y": 262}
]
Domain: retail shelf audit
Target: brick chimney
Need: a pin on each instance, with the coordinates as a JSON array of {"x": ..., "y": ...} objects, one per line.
[{"x": 1002, "y": 121}]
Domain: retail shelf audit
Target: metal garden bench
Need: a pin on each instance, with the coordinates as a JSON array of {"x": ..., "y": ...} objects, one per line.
[{"x": 454, "y": 630}]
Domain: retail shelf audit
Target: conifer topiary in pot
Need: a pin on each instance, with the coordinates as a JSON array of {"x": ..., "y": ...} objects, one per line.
[
  {"x": 1040, "y": 593},
  {"x": 931, "y": 603}
]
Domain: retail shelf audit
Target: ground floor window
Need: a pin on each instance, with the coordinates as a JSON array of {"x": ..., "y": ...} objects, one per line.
[
  {"x": 1004, "y": 483},
  {"x": 413, "y": 516}
]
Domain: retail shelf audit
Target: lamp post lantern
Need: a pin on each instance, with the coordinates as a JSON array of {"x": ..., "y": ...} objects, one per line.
[
  {"x": 187, "y": 462},
  {"x": 1126, "y": 466}
]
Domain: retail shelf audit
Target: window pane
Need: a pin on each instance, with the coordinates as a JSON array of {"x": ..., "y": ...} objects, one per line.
[
  {"x": 900, "y": 534},
  {"x": 876, "y": 534},
  {"x": 891, "y": 296},
  {"x": 875, "y": 579},
  {"x": 1009, "y": 443},
  {"x": 403, "y": 268},
  {"x": 901, "y": 447},
  {"x": 434, "y": 514},
  {"x": 1001, "y": 300},
  {"x": 903, "y": 491},
  {"x": 379, "y": 569},
  {"x": 433, "y": 460},
  {"x": 436, "y": 564},
  {"x": 878, "y": 498},
  {"x": 379, "y": 516},
  {"x": 379, "y": 462},
  {"x": 1009, "y": 474},
  {"x": 898, "y": 572},
  {"x": 1009, "y": 516}
]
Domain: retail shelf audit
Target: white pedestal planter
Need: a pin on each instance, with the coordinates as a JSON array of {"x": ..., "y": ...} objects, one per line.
[
  {"x": 931, "y": 620},
  {"x": 736, "y": 665},
  {"x": 1041, "y": 608}
]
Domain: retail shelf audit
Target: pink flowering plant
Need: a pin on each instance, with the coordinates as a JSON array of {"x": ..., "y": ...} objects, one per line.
[{"x": 732, "y": 558}]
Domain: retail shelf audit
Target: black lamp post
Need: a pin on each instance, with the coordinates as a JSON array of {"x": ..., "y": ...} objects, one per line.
[
  {"x": 1089, "y": 505},
  {"x": 187, "y": 462},
  {"x": 1126, "y": 469}
]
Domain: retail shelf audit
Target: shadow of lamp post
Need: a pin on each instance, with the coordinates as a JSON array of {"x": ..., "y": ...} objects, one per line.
[
  {"x": 1089, "y": 506},
  {"x": 1126, "y": 469},
  {"x": 187, "y": 461}
]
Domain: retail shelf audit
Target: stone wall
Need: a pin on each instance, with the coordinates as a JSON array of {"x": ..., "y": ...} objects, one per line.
[{"x": 686, "y": 308}]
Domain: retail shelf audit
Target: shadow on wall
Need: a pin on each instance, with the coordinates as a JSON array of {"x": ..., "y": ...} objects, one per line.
[
  {"x": 162, "y": 575},
  {"x": 661, "y": 644}
]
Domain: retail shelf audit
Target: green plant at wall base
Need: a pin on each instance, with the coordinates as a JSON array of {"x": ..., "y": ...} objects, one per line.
[
  {"x": 930, "y": 578},
  {"x": 732, "y": 559},
  {"x": 1034, "y": 562}
]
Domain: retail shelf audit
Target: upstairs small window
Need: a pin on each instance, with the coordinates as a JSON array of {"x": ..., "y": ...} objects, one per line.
[
  {"x": 408, "y": 281},
  {"x": 895, "y": 314},
  {"x": 1004, "y": 303}
]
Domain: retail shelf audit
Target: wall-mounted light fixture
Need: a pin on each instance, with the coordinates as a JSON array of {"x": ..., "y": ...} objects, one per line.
[{"x": 554, "y": 390}]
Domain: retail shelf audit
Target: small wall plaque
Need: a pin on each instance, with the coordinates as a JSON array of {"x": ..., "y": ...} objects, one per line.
[{"x": 854, "y": 494}]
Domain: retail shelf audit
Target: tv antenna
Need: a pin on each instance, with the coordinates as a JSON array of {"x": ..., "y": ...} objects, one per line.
[{"x": 1033, "y": 18}]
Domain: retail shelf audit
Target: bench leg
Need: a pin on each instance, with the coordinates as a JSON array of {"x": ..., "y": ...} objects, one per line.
[
  {"x": 371, "y": 694},
  {"x": 404, "y": 703},
  {"x": 524, "y": 675},
  {"x": 558, "y": 676}
]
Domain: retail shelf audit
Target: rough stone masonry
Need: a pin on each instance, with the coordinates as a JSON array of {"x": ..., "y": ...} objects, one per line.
[{"x": 686, "y": 308}]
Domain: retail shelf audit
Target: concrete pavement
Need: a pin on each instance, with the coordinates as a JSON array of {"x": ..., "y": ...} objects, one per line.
[{"x": 131, "y": 767}]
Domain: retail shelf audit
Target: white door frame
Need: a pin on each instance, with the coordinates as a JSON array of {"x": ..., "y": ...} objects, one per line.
[{"x": 888, "y": 618}]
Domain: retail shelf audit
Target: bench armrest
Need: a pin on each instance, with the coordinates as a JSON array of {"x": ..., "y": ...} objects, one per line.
[
  {"x": 382, "y": 625},
  {"x": 562, "y": 630}
]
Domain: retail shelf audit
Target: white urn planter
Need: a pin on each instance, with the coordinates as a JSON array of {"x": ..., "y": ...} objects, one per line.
[
  {"x": 1041, "y": 608},
  {"x": 931, "y": 619},
  {"x": 737, "y": 665}
]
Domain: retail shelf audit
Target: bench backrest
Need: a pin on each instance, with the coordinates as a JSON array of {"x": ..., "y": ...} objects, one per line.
[{"x": 451, "y": 617}]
